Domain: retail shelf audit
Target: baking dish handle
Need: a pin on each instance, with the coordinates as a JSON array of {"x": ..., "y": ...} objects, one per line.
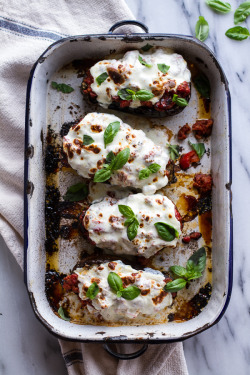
[
  {"x": 128, "y": 22},
  {"x": 125, "y": 356}
]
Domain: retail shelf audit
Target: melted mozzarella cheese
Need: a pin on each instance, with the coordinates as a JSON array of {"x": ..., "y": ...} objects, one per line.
[
  {"x": 113, "y": 308},
  {"x": 86, "y": 160},
  {"x": 140, "y": 77},
  {"x": 105, "y": 224}
]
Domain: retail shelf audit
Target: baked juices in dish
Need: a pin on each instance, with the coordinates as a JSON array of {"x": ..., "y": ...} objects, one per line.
[
  {"x": 102, "y": 147},
  {"x": 156, "y": 83}
]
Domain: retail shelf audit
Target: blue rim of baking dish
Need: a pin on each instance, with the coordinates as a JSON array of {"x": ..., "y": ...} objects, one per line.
[{"x": 129, "y": 37}]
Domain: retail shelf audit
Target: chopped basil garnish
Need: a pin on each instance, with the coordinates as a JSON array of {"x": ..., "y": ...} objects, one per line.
[
  {"x": 199, "y": 148},
  {"x": 76, "y": 192},
  {"x": 128, "y": 94},
  {"x": 174, "y": 151},
  {"x": 219, "y": 6},
  {"x": 66, "y": 89},
  {"x": 101, "y": 78},
  {"x": 202, "y": 84},
  {"x": 181, "y": 102},
  {"x": 237, "y": 33},
  {"x": 166, "y": 231},
  {"x": 115, "y": 283},
  {"x": 146, "y": 172},
  {"x": 143, "y": 62},
  {"x": 147, "y": 47},
  {"x": 87, "y": 140},
  {"x": 62, "y": 314},
  {"x": 201, "y": 29},
  {"x": 242, "y": 12},
  {"x": 114, "y": 163},
  {"x": 195, "y": 266},
  {"x": 92, "y": 291},
  {"x": 131, "y": 223},
  {"x": 110, "y": 132},
  {"x": 163, "y": 68}
]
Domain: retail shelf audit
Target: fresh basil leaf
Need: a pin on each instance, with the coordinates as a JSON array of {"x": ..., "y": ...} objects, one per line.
[
  {"x": 132, "y": 229},
  {"x": 76, "y": 192},
  {"x": 119, "y": 293},
  {"x": 66, "y": 89},
  {"x": 144, "y": 173},
  {"x": 154, "y": 167},
  {"x": 198, "y": 260},
  {"x": 181, "y": 102},
  {"x": 129, "y": 221},
  {"x": 102, "y": 175},
  {"x": 110, "y": 157},
  {"x": 101, "y": 78},
  {"x": 147, "y": 47},
  {"x": 219, "y": 6},
  {"x": 175, "y": 286},
  {"x": 163, "y": 68},
  {"x": 194, "y": 275},
  {"x": 174, "y": 151},
  {"x": 144, "y": 95},
  {"x": 87, "y": 140},
  {"x": 237, "y": 33},
  {"x": 120, "y": 160},
  {"x": 202, "y": 84},
  {"x": 110, "y": 132},
  {"x": 126, "y": 94},
  {"x": 62, "y": 314},
  {"x": 92, "y": 291},
  {"x": 201, "y": 29},
  {"x": 242, "y": 12},
  {"x": 166, "y": 231},
  {"x": 199, "y": 148},
  {"x": 143, "y": 62},
  {"x": 131, "y": 292},
  {"x": 126, "y": 211},
  {"x": 115, "y": 282},
  {"x": 179, "y": 271}
]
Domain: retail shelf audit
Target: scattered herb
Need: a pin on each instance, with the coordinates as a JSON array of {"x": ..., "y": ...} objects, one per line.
[
  {"x": 237, "y": 33},
  {"x": 163, "y": 68},
  {"x": 76, "y": 192},
  {"x": 242, "y": 12},
  {"x": 202, "y": 84},
  {"x": 147, "y": 47},
  {"x": 142, "y": 95},
  {"x": 166, "y": 231},
  {"x": 110, "y": 132},
  {"x": 115, "y": 283},
  {"x": 219, "y": 6},
  {"x": 181, "y": 102},
  {"x": 174, "y": 151},
  {"x": 146, "y": 172},
  {"x": 87, "y": 140},
  {"x": 115, "y": 163},
  {"x": 92, "y": 291},
  {"x": 66, "y": 89},
  {"x": 131, "y": 223},
  {"x": 101, "y": 78},
  {"x": 201, "y": 29},
  {"x": 143, "y": 62},
  {"x": 194, "y": 268},
  {"x": 62, "y": 314},
  {"x": 199, "y": 148}
]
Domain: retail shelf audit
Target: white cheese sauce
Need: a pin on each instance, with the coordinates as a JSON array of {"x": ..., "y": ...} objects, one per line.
[
  {"x": 113, "y": 308},
  {"x": 86, "y": 160},
  {"x": 140, "y": 77},
  {"x": 105, "y": 224}
]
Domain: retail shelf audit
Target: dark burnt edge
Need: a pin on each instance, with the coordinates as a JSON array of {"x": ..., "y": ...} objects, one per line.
[{"x": 146, "y": 37}]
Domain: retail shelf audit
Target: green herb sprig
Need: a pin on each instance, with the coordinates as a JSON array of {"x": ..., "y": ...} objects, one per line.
[
  {"x": 193, "y": 270},
  {"x": 166, "y": 231},
  {"x": 128, "y": 94},
  {"x": 87, "y": 140},
  {"x": 146, "y": 48},
  {"x": 238, "y": 33},
  {"x": 146, "y": 172},
  {"x": 181, "y": 102},
  {"x": 66, "y": 89},
  {"x": 201, "y": 29},
  {"x": 101, "y": 78},
  {"x": 110, "y": 132},
  {"x": 92, "y": 291},
  {"x": 199, "y": 148},
  {"x": 202, "y": 85},
  {"x": 62, "y": 314},
  {"x": 115, "y": 283},
  {"x": 174, "y": 151},
  {"x": 163, "y": 68},
  {"x": 242, "y": 12},
  {"x": 143, "y": 62},
  {"x": 131, "y": 223},
  {"x": 114, "y": 163},
  {"x": 76, "y": 192},
  {"x": 219, "y": 6}
]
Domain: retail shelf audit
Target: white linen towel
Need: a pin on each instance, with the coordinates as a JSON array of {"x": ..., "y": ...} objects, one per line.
[{"x": 27, "y": 28}]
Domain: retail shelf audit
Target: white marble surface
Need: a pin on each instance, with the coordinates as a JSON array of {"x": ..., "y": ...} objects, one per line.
[{"x": 27, "y": 348}]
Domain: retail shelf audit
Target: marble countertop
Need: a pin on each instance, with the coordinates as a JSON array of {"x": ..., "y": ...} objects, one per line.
[{"x": 223, "y": 349}]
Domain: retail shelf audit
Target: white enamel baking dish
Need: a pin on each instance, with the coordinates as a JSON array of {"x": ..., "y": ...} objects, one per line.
[{"x": 61, "y": 53}]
